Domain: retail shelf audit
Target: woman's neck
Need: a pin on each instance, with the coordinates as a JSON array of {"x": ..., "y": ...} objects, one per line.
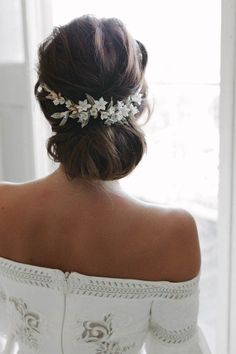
[{"x": 59, "y": 179}]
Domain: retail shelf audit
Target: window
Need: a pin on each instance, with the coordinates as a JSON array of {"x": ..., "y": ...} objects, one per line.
[{"x": 11, "y": 32}]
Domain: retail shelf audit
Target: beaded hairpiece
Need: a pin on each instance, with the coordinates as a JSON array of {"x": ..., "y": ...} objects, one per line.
[{"x": 83, "y": 110}]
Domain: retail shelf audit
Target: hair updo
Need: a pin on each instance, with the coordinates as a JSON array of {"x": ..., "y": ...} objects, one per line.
[{"x": 98, "y": 57}]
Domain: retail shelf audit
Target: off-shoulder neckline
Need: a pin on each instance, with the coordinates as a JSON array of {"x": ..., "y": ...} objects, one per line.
[{"x": 42, "y": 269}]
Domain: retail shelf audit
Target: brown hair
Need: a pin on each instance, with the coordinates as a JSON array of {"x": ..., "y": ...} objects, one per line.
[{"x": 98, "y": 57}]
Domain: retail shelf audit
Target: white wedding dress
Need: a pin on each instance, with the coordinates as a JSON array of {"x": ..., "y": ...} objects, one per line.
[{"x": 44, "y": 310}]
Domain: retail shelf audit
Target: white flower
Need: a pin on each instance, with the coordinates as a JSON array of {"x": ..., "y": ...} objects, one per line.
[
  {"x": 133, "y": 109},
  {"x": 94, "y": 112},
  {"x": 119, "y": 104},
  {"x": 124, "y": 111},
  {"x": 68, "y": 103},
  {"x": 100, "y": 105},
  {"x": 56, "y": 98},
  {"x": 119, "y": 116},
  {"x": 62, "y": 100},
  {"x": 104, "y": 115},
  {"x": 111, "y": 110},
  {"x": 110, "y": 120},
  {"x": 137, "y": 97},
  {"x": 83, "y": 105},
  {"x": 83, "y": 116}
]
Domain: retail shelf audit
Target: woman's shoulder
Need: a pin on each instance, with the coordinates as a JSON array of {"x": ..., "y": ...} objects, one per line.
[
  {"x": 9, "y": 190},
  {"x": 15, "y": 204},
  {"x": 7, "y": 196},
  {"x": 12, "y": 195},
  {"x": 174, "y": 241}
]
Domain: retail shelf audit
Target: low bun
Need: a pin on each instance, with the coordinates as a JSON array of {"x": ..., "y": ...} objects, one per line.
[
  {"x": 98, "y": 153},
  {"x": 98, "y": 57}
]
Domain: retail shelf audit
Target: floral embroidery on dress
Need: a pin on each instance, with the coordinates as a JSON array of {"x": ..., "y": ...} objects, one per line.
[
  {"x": 94, "y": 331},
  {"x": 28, "y": 328},
  {"x": 3, "y": 296},
  {"x": 99, "y": 332},
  {"x": 113, "y": 348}
]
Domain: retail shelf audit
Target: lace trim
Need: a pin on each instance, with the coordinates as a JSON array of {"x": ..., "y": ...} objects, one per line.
[
  {"x": 28, "y": 276},
  {"x": 173, "y": 336},
  {"x": 131, "y": 290},
  {"x": 92, "y": 286}
]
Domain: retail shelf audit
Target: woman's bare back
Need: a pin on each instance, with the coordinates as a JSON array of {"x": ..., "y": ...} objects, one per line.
[{"x": 103, "y": 234}]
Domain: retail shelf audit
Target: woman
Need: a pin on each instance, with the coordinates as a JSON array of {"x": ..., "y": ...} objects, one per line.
[{"x": 85, "y": 267}]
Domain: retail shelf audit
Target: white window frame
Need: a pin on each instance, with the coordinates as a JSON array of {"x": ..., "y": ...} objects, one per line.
[
  {"x": 226, "y": 327},
  {"x": 17, "y": 92},
  {"x": 37, "y": 24}
]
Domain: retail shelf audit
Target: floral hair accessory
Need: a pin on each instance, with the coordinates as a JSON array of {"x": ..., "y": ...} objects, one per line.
[{"x": 83, "y": 110}]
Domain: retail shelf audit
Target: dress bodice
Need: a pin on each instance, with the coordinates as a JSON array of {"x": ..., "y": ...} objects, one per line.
[{"x": 48, "y": 311}]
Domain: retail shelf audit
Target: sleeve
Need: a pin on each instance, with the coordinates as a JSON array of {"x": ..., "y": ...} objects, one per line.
[
  {"x": 7, "y": 341},
  {"x": 173, "y": 324},
  {"x": 3, "y": 319},
  {"x": 3, "y": 312}
]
